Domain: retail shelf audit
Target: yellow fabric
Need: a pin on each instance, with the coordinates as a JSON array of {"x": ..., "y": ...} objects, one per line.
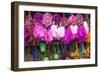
[
  {"x": 87, "y": 52},
  {"x": 77, "y": 54}
]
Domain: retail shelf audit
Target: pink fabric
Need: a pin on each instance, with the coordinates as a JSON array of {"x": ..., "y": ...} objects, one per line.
[
  {"x": 38, "y": 31},
  {"x": 72, "y": 19},
  {"x": 47, "y": 19},
  {"x": 57, "y": 31},
  {"x": 48, "y": 36}
]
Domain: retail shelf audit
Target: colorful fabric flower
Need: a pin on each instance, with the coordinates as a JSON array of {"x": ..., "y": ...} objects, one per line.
[
  {"x": 72, "y": 19},
  {"x": 81, "y": 34},
  {"x": 68, "y": 36},
  {"x": 48, "y": 36},
  {"x": 64, "y": 21},
  {"x": 86, "y": 26},
  {"x": 57, "y": 18},
  {"x": 57, "y": 31},
  {"x": 38, "y": 17},
  {"x": 60, "y": 32},
  {"x": 38, "y": 31},
  {"x": 42, "y": 46},
  {"x": 47, "y": 19},
  {"x": 74, "y": 29},
  {"x": 80, "y": 19},
  {"x": 53, "y": 29}
]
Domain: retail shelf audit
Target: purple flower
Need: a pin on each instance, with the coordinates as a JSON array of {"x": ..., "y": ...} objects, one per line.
[
  {"x": 27, "y": 30},
  {"x": 48, "y": 36},
  {"x": 38, "y": 17},
  {"x": 64, "y": 21},
  {"x": 38, "y": 31},
  {"x": 74, "y": 29},
  {"x": 81, "y": 34},
  {"x": 72, "y": 19},
  {"x": 47, "y": 19},
  {"x": 79, "y": 19},
  {"x": 57, "y": 18},
  {"x": 68, "y": 36}
]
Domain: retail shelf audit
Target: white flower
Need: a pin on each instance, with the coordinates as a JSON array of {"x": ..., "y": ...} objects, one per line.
[
  {"x": 74, "y": 29},
  {"x": 86, "y": 26},
  {"x": 61, "y": 31},
  {"x": 58, "y": 31},
  {"x": 53, "y": 29}
]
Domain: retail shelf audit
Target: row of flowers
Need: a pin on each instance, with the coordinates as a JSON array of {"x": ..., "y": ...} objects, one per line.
[{"x": 48, "y": 27}]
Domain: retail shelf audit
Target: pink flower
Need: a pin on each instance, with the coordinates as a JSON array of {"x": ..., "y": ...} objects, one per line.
[
  {"x": 68, "y": 36},
  {"x": 72, "y": 19},
  {"x": 53, "y": 29},
  {"x": 74, "y": 29},
  {"x": 48, "y": 36},
  {"x": 79, "y": 19},
  {"x": 60, "y": 31},
  {"x": 38, "y": 31},
  {"x": 57, "y": 31},
  {"x": 86, "y": 26},
  {"x": 28, "y": 20},
  {"x": 64, "y": 21},
  {"x": 47, "y": 19},
  {"x": 81, "y": 34}
]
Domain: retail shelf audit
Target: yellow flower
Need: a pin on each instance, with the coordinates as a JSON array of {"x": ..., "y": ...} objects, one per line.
[
  {"x": 87, "y": 52},
  {"x": 76, "y": 54}
]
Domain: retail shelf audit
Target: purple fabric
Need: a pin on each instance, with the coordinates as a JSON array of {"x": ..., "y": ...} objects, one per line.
[
  {"x": 48, "y": 36},
  {"x": 38, "y": 31},
  {"x": 64, "y": 21},
  {"x": 68, "y": 36},
  {"x": 72, "y": 19},
  {"x": 80, "y": 19},
  {"x": 81, "y": 34},
  {"x": 47, "y": 19},
  {"x": 38, "y": 17},
  {"x": 57, "y": 18}
]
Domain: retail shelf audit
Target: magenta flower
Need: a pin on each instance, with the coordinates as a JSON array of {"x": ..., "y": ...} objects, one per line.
[
  {"x": 47, "y": 19},
  {"x": 57, "y": 18},
  {"x": 38, "y": 31},
  {"x": 38, "y": 17},
  {"x": 81, "y": 34},
  {"x": 68, "y": 36},
  {"x": 48, "y": 36}
]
